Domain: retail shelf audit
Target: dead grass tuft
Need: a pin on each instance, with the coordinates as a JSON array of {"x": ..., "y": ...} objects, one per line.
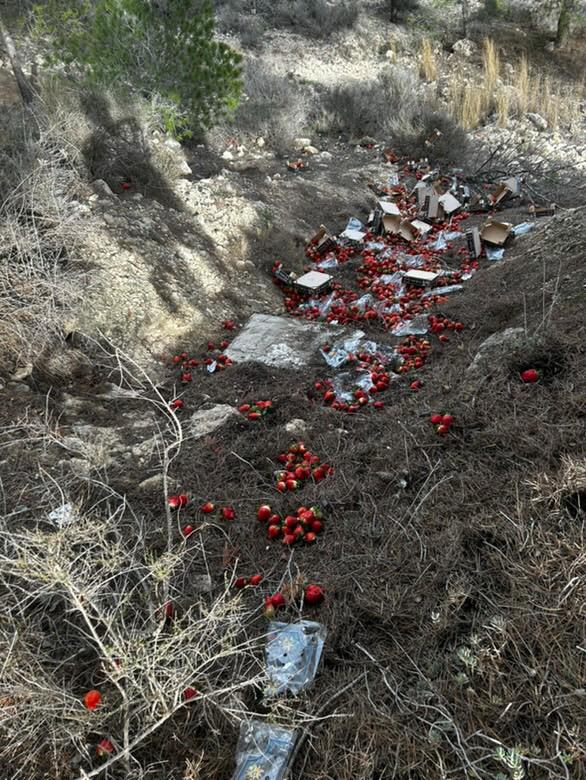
[{"x": 427, "y": 61}]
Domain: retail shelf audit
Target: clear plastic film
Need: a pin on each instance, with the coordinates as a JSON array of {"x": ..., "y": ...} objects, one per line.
[
  {"x": 263, "y": 751},
  {"x": 292, "y": 655}
]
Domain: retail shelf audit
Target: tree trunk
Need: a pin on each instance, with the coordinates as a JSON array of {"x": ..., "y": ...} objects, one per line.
[
  {"x": 563, "y": 29},
  {"x": 465, "y": 6},
  {"x": 26, "y": 91}
]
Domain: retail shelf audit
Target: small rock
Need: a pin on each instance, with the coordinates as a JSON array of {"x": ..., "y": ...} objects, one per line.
[
  {"x": 22, "y": 373},
  {"x": 172, "y": 143},
  {"x": 19, "y": 387},
  {"x": 537, "y": 121},
  {"x": 488, "y": 351},
  {"x": 156, "y": 483},
  {"x": 227, "y": 155},
  {"x": 464, "y": 47},
  {"x": 207, "y": 420},
  {"x": 136, "y": 196},
  {"x": 296, "y": 427},
  {"x": 310, "y": 150},
  {"x": 184, "y": 168},
  {"x": 260, "y": 142},
  {"x": 299, "y": 143},
  {"x": 325, "y": 156},
  {"x": 102, "y": 189}
]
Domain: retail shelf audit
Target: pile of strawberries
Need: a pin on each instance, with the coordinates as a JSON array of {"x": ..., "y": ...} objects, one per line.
[
  {"x": 304, "y": 526},
  {"x": 442, "y": 422},
  {"x": 439, "y": 326},
  {"x": 301, "y": 465},
  {"x": 256, "y": 410}
]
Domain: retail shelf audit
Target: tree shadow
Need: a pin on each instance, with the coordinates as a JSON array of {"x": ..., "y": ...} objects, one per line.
[{"x": 118, "y": 152}]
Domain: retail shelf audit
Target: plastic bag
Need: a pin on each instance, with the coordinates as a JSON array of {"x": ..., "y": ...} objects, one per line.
[
  {"x": 263, "y": 751},
  {"x": 329, "y": 262},
  {"x": 63, "y": 515},
  {"x": 354, "y": 224},
  {"x": 522, "y": 228},
  {"x": 450, "y": 288},
  {"x": 494, "y": 253},
  {"x": 212, "y": 367},
  {"x": 376, "y": 246},
  {"x": 343, "y": 386},
  {"x": 363, "y": 302},
  {"x": 292, "y": 655},
  {"x": 413, "y": 261},
  {"x": 326, "y": 304},
  {"x": 340, "y": 351},
  {"x": 395, "y": 278},
  {"x": 414, "y": 327}
]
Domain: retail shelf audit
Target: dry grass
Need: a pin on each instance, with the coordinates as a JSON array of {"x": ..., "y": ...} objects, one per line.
[
  {"x": 522, "y": 85},
  {"x": 491, "y": 67},
  {"x": 427, "y": 61}
]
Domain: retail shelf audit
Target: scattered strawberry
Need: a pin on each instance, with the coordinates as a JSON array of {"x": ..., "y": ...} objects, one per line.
[
  {"x": 228, "y": 513},
  {"x": 256, "y": 579},
  {"x": 190, "y": 693},
  {"x": 92, "y": 699},
  {"x": 104, "y": 748},
  {"x": 187, "y": 530},
  {"x": 264, "y": 512},
  {"x": 208, "y": 507},
  {"x": 176, "y": 502},
  {"x": 530, "y": 376},
  {"x": 436, "y": 419},
  {"x": 240, "y": 582},
  {"x": 313, "y": 594},
  {"x": 277, "y": 600},
  {"x": 176, "y": 404}
]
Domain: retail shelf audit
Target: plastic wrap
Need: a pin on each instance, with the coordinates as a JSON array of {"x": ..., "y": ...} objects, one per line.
[
  {"x": 450, "y": 288},
  {"x": 263, "y": 751},
  {"x": 524, "y": 227},
  {"x": 494, "y": 253},
  {"x": 292, "y": 655},
  {"x": 340, "y": 351},
  {"x": 415, "y": 327}
]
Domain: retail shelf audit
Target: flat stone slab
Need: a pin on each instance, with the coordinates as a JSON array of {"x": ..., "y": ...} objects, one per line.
[
  {"x": 207, "y": 420},
  {"x": 282, "y": 342}
]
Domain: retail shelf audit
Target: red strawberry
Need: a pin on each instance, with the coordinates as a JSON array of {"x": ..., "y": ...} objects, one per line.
[
  {"x": 168, "y": 610},
  {"x": 244, "y": 408},
  {"x": 254, "y": 415},
  {"x": 447, "y": 420},
  {"x": 224, "y": 344},
  {"x": 291, "y": 484},
  {"x": 314, "y": 594},
  {"x": 175, "y": 502},
  {"x": 177, "y": 403},
  {"x": 379, "y": 404},
  {"x": 317, "y": 526},
  {"x": 530, "y": 375},
  {"x": 264, "y": 512},
  {"x": 441, "y": 430},
  {"x": 310, "y": 537},
  {"x": 274, "y": 531},
  {"x": 318, "y": 474},
  {"x": 190, "y": 693},
  {"x": 256, "y": 579},
  {"x": 240, "y": 582},
  {"x": 92, "y": 699},
  {"x": 278, "y": 600},
  {"x": 281, "y": 486},
  {"x": 187, "y": 530},
  {"x": 288, "y": 539},
  {"x": 186, "y": 376},
  {"x": 104, "y": 748},
  {"x": 208, "y": 507},
  {"x": 291, "y": 521},
  {"x": 436, "y": 419},
  {"x": 228, "y": 513},
  {"x": 274, "y": 520}
]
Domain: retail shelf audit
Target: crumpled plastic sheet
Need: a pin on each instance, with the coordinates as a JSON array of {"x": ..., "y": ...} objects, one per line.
[
  {"x": 494, "y": 253},
  {"x": 345, "y": 384},
  {"x": 212, "y": 367},
  {"x": 415, "y": 327},
  {"x": 326, "y": 304},
  {"x": 263, "y": 751},
  {"x": 63, "y": 515},
  {"x": 340, "y": 351},
  {"x": 413, "y": 261},
  {"x": 376, "y": 246},
  {"x": 443, "y": 237},
  {"x": 522, "y": 228},
  {"x": 354, "y": 224},
  {"x": 450, "y": 288},
  {"x": 395, "y": 278},
  {"x": 328, "y": 262},
  {"x": 384, "y": 353},
  {"x": 393, "y": 180},
  {"x": 468, "y": 275},
  {"x": 363, "y": 302},
  {"x": 292, "y": 655}
]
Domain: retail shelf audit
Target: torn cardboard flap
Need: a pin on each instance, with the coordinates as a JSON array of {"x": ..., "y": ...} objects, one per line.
[
  {"x": 507, "y": 188},
  {"x": 542, "y": 211},
  {"x": 322, "y": 240},
  {"x": 313, "y": 281},
  {"x": 449, "y": 203},
  {"x": 402, "y": 227},
  {"x": 422, "y": 227},
  {"x": 496, "y": 233},
  {"x": 391, "y": 223},
  {"x": 388, "y": 207}
]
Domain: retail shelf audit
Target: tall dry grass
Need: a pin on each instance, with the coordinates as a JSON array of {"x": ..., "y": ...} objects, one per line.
[{"x": 427, "y": 61}]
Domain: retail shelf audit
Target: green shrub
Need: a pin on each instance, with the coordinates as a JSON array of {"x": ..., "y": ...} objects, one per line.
[{"x": 138, "y": 46}]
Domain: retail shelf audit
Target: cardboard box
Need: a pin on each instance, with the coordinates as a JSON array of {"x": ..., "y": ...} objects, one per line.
[
  {"x": 542, "y": 211},
  {"x": 473, "y": 241},
  {"x": 323, "y": 241},
  {"x": 398, "y": 226},
  {"x": 313, "y": 282},
  {"x": 417, "y": 278},
  {"x": 431, "y": 205},
  {"x": 388, "y": 207},
  {"x": 495, "y": 233},
  {"x": 449, "y": 203},
  {"x": 433, "y": 137},
  {"x": 391, "y": 223},
  {"x": 507, "y": 188},
  {"x": 422, "y": 227}
]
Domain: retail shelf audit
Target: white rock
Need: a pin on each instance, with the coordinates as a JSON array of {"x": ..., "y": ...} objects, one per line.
[
  {"x": 299, "y": 143},
  {"x": 208, "y": 419},
  {"x": 464, "y": 47},
  {"x": 296, "y": 427},
  {"x": 310, "y": 150},
  {"x": 260, "y": 142},
  {"x": 537, "y": 121},
  {"x": 227, "y": 155}
]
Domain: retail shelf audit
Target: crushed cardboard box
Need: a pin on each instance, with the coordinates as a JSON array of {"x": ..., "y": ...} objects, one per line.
[
  {"x": 510, "y": 187},
  {"x": 323, "y": 241},
  {"x": 422, "y": 227},
  {"x": 449, "y": 203},
  {"x": 495, "y": 233},
  {"x": 542, "y": 211}
]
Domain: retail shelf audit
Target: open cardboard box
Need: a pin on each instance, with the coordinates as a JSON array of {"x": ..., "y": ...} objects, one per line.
[
  {"x": 449, "y": 203},
  {"x": 322, "y": 240},
  {"x": 506, "y": 189},
  {"x": 496, "y": 233},
  {"x": 402, "y": 227},
  {"x": 388, "y": 207},
  {"x": 313, "y": 282},
  {"x": 422, "y": 227}
]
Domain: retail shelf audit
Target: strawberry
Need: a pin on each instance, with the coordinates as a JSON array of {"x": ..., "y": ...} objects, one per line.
[
  {"x": 256, "y": 579},
  {"x": 244, "y": 408},
  {"x": 274, "y": 531},
  {"x": 254, "y": 415},
  {"x": 310, "y": 537},
  {"x": 264, "y": 512},
  {"x": 379, "y": 404},
  {"x": 278, "y": 600},
  {"x": 228, "y": 513},
  {"x": 224, "y": 343},
  {"x": 190, "y": 693},
  {"x": 313, "y": 595},
  {"x": 318, "y": 474},
  {"x": 530, "y": 376},
  {"x": 447, "y": 420},
  {"x": 274, "y": 520},
  {"x": 187, "y": 530},
  {"x": 104, "y": 748},
  {"x": 291, "y": 521},
  {"x": 291, "y": 484},
  {"x": 168, "y": 610},
  {"x": 441, "y": 430},
  {"x": 92, "y": 699},
  {"x": 240, "y": 582},
  {"x": 186, "y": 376},
  {"x": 177, "y": 403},
  {"x": 281, "y": 486},
  {"x": 288, "y": 539},
  {"x": 317, "y": 526},
  {"x": 208, "y": 507},
  {"x": 176, "y": 502},
  {"x": 436, "y": 419}
]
